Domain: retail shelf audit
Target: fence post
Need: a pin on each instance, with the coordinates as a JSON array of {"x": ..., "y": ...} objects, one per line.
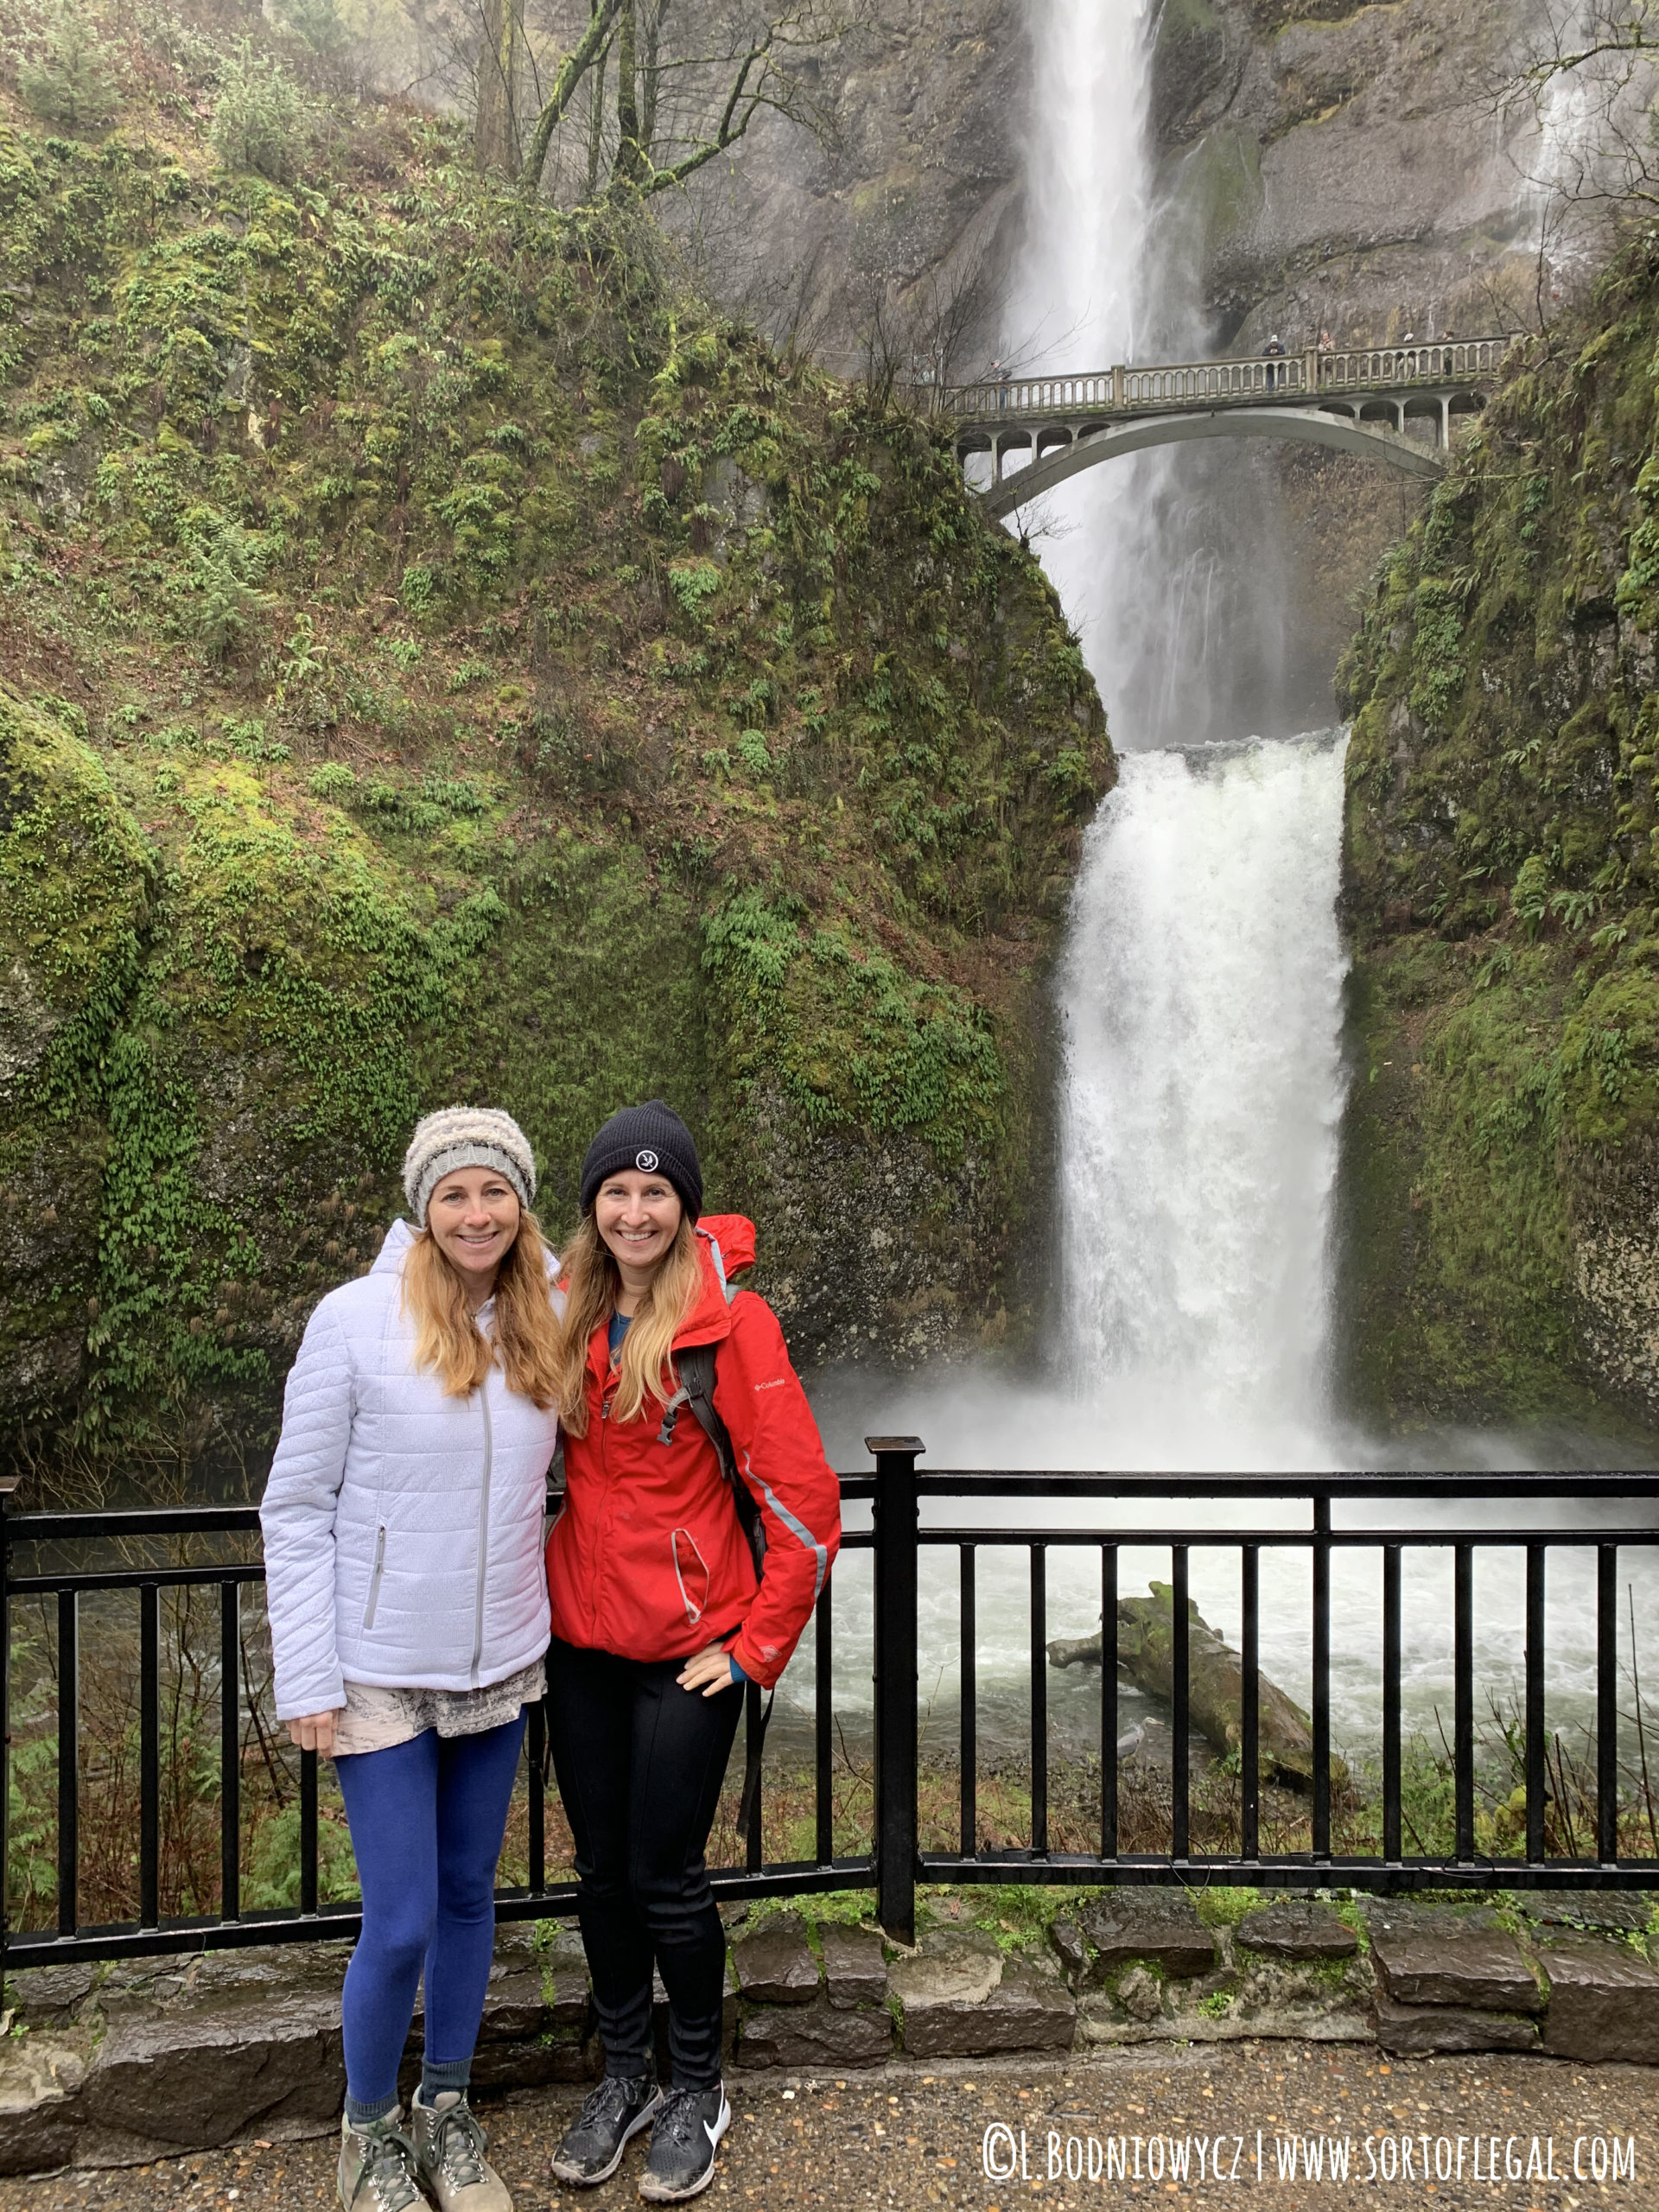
[
  {"x": 8, "y": 1486},
  {"x": 895, "y": 1681}
]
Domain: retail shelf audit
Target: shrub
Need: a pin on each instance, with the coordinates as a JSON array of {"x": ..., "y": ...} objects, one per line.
[
  {"x": 259, "y": 118},
  {"x": 75, "y": 82}
]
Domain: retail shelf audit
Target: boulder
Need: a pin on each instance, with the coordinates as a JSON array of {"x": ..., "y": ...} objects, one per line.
[
  {"x": 219, "y": 2062},
  {"x": 41, "y": 2106},
  {"x": 1604, "y": 2004},
  {"x": 775, "y": 1965},
  {"x": 822, "y": 2034},
  {"x": 1160, "y": 1926},
  {"x": 854, "y": 1966},
  {"x": 1422, "y": 2031},
  {"x": 1297, "y": 1927},
  {"x": 1432, "y": 1963},
  {"x": 960, "y": 1999}
]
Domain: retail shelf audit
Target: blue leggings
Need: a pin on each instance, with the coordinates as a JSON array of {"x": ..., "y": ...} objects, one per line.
[{"x": 427, "y": 1820}]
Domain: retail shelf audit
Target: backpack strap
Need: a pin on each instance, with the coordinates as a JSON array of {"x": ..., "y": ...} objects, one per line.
[{"x": 695, "y": 1365}]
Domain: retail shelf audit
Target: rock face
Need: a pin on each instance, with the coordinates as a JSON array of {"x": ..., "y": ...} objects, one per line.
[
  {"x": 912, "y": 212},
  {"x": 1328, "y": 161}
]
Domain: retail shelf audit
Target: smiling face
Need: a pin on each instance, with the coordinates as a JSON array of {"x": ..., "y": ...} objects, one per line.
[
  {"x": 473, "y": 1218},
  {"x": 637, "y": 1217}
]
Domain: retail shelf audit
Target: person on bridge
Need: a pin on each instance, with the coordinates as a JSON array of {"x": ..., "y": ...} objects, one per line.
[
  {"x": 1274, "y": 351},
  {"x": 700, "y": 1523},
  {"x": 409, "y": 1620}
]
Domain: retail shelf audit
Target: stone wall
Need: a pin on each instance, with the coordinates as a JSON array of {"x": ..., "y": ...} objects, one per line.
[{"x": 117, "y": 2066}]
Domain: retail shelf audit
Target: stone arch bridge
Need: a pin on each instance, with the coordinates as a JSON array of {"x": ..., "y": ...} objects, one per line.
[{"x": 1397, "y": 405}]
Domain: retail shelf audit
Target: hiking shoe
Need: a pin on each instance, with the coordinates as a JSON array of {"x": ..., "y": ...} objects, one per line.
[
  {"x": 688, "y": 2128},
  {"x": 450, "y": 2147},
  {"x": 592, "y": 2148},
  {"x": 377, "y": 2167}
]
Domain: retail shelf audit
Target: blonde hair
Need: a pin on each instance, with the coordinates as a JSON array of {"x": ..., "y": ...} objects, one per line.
[
  {"x": 592, "y": 1283},
  {"x": 525, "y": 1337}
]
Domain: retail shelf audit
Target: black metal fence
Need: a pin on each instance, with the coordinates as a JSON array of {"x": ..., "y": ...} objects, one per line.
[{"x": 898, "y": 1490}]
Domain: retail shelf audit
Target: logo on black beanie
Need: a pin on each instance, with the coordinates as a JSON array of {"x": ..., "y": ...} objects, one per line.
[{"x": 646, "y": 1162}]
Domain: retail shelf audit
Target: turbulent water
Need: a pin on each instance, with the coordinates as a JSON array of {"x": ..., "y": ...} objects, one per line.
[{"x": 1202, "y": 1084}]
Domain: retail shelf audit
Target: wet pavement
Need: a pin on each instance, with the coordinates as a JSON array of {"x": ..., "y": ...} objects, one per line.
[{"x": 1163, "y": 2124}]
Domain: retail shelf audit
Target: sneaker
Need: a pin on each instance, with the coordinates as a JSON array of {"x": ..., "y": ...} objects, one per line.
[
  {"x": 450, "y": 2147},
  {"x": 592, "y": 2149},
  {"x": 688, "y": 2129},
  {"x": 377, "y": 2167}
]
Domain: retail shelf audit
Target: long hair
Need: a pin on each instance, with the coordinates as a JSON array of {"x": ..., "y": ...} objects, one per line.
[
  {"x": 592, "y": 1284},
  {"x": 525, "y": 1337}
]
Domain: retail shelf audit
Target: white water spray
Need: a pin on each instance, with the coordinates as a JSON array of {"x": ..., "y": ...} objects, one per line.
[{"x": 1202, "y": 1086}]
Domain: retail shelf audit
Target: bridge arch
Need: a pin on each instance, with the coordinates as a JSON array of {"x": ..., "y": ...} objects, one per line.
[{"x": 1060, "y": 453}]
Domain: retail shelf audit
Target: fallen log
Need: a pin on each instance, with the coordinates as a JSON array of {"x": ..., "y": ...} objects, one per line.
[{"x": 1215, "y": 1684}]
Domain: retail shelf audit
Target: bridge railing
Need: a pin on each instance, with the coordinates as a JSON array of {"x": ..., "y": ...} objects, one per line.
[
  {"x": 70, "y": 1585},
  {"x": 1232, "y": 382}
]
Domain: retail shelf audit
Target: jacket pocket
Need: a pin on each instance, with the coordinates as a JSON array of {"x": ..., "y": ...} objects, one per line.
[
  {"x": 690, "y": 1575},
  {"x": 374, "y": 1579}
]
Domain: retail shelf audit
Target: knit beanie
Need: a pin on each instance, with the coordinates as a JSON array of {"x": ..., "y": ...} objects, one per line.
[
  {"x": 651, "y": 1138},
  {"x": 466, "y": 1136}
]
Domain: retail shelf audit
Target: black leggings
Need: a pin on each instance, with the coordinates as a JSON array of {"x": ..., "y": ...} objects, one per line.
[{"x": 640, "y": 1763}]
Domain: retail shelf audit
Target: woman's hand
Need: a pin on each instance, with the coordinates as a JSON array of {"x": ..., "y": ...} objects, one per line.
[
  {"x": 709, "y": 1671},
  {"x": 315, "y": 1732}
]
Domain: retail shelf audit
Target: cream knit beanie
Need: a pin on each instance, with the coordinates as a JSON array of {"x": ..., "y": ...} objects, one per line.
[{"x": 466, "y": 1136}]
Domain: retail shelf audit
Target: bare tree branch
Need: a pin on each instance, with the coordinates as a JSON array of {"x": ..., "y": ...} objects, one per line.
[{"x": 572, "y": 70}]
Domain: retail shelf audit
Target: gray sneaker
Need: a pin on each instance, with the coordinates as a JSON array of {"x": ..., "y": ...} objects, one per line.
[
  {"x": 377, "y": 2167},
  {"x": 683, "y": 2140},
  {"x": 615, "y": 2111},
  {"x": 450, "y": 2147}
]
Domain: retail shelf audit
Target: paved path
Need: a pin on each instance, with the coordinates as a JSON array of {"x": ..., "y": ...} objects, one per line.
[{"x": 905, "y": 2140}]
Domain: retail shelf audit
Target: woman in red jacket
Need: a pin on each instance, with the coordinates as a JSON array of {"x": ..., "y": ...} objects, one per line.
[{"x": 659, "y": 1614}]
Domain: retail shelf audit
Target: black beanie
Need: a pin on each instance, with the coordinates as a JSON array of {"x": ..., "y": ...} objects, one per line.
[{"x": 651, "y": 1138}]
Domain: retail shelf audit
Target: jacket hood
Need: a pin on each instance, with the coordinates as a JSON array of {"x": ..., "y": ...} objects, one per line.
[
  {"x": 726, "y": 1248},
  {"x": 389, "y": 1259}
]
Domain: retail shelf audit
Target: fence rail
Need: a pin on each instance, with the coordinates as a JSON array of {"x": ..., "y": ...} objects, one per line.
[
  {"x": 1160, "y": 387},
  {"x": 897, "y": 1540}
]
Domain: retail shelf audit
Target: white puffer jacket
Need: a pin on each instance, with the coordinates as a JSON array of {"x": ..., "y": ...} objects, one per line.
[{"x": 402, "y": 1529}]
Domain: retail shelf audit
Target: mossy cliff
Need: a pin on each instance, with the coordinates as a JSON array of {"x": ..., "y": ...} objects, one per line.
[
  {"x": 1501, "y": 875},
  {"x": 442, "y": 659}
]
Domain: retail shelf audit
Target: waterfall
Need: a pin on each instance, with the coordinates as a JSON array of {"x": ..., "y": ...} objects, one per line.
[{"x": 1202, "y": 1084}]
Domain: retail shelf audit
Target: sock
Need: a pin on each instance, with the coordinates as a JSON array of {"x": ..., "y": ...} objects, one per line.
[
  {"x": 361, "y": 2114},
  {"x": 438, "y": 2075}
]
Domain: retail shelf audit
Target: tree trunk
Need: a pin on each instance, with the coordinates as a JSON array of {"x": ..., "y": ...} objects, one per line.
[
  {"x": 1215, "y": 1684},
  {"x": 629, "y": 166},
  {"x": 495, "y": 136}
]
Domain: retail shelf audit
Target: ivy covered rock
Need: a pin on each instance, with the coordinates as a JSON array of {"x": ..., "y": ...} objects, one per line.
[
  {"x": 1501, "y": 875},
  {"x": 447, "y": 660}
]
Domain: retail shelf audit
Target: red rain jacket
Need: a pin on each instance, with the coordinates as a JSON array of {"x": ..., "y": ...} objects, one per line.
[{"x": 648, "y": 1558}]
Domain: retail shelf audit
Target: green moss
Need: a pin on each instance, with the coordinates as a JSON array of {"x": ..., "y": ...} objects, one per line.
[
  {"x": 1500, "y": 871},
  {"x": 504, "y": 678}
]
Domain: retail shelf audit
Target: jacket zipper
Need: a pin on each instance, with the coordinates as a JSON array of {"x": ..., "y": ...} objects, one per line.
[
  {"x": 374, "y": 1579},
  {"x": 483, "y": 1532}
]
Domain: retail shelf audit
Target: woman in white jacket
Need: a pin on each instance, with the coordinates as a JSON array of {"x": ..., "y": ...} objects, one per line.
[{"x": 409, "y": 1619}]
